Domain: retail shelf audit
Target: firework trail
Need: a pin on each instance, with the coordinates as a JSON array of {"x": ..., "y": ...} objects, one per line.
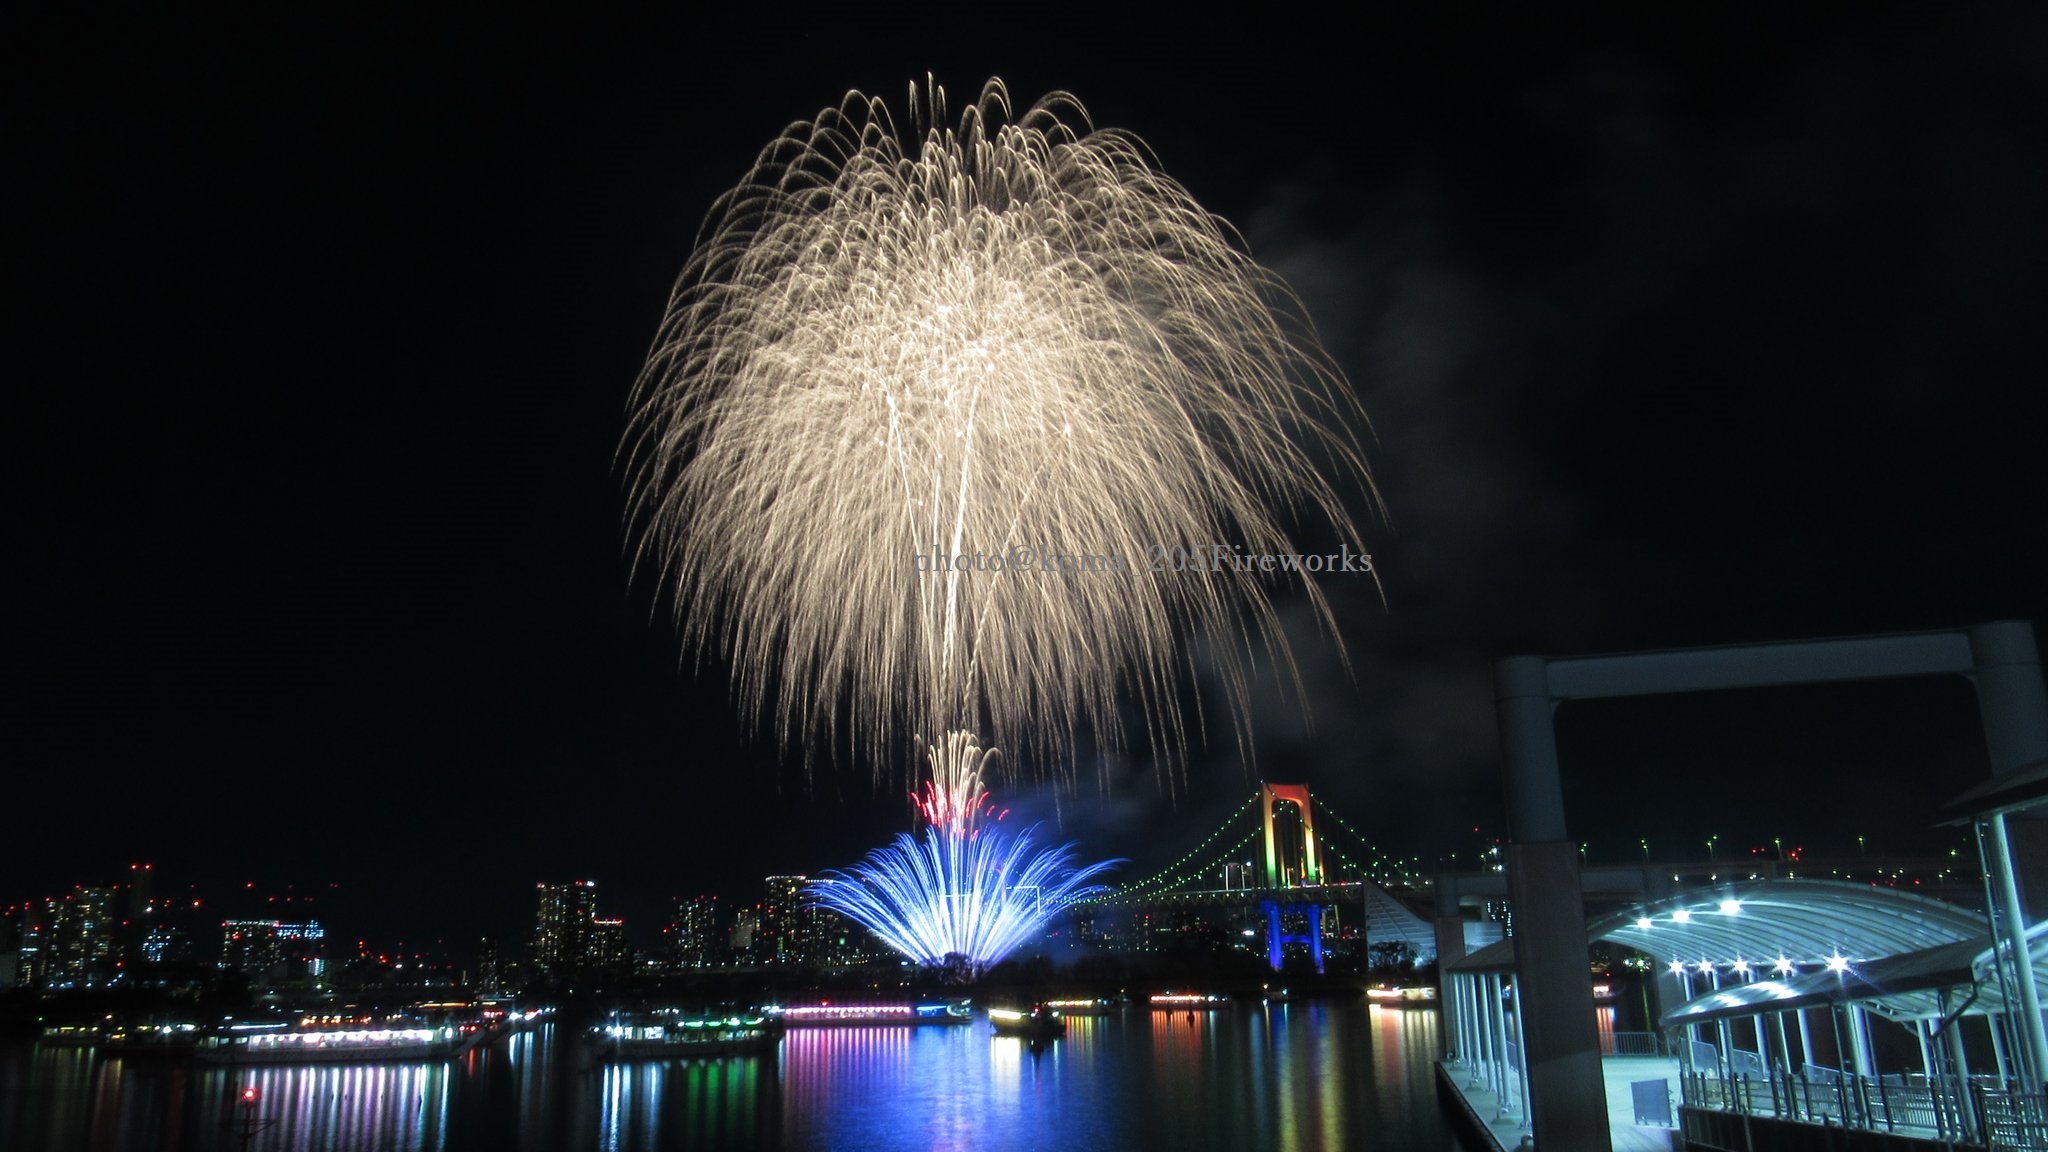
[{"x": 973, "y": 336}]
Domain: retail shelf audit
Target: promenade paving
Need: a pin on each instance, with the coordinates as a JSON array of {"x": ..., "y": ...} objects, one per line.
[{"x": 1506, "y": 1128}]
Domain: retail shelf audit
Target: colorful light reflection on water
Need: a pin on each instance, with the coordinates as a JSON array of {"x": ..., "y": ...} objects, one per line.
[{"x": 1308, "y": 1077}]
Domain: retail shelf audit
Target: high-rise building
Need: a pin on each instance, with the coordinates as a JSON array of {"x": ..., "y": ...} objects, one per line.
[
  {"x": 83, "y": 947},
  {"x": 608, "y": 948},
  {"x": 838, "y": 940},
  {"x": 787, "y": 933},
  {"x": 694, "y": 940},
  {"x": 13, "y": 920},
  {"x": 303, "y": 947},
  {"x": 273, "y": 950},
  {"x": 250, "y": 946},
  {"x": 489, "y": 979},
  {"x": 564, "y": 932},
  {"x": 32, "y": 950}
]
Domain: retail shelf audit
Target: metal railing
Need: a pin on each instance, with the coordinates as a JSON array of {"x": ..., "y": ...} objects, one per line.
[
  {"x": 2003, "y": 1120},
  {"x": 1631, "y": 1044},
  {"x": 2012, "y": 1120}
]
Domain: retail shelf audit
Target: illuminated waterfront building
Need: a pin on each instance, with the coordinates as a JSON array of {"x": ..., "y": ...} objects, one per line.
[
  {"x": 569, "y": 935},
  {"x": 82, "y": 946},
  {"x": 694, "y": 940},
  {"x": 250, "y": 946},
  {"x": 838, "y": 940},
  {"x": 608, "y": 943},
  {"x": 784, "y": 936},
  {"x": 303, "y": 950},
  {"x": 489, "y": 978},
  {"x": 14, "y": 923},
  {"x": 274, "y": 950}
]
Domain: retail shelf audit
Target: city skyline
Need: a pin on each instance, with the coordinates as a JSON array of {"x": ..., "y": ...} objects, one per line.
[{"x": 1674, "y": 332}]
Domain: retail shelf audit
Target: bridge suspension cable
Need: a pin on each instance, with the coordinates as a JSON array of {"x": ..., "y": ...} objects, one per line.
[
  {"x": 1177, "y": 869},
  {"x": 1383, "y": 862}
]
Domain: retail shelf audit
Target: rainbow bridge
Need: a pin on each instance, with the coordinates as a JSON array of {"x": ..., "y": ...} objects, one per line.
[{"x": 1268, "y": 858}]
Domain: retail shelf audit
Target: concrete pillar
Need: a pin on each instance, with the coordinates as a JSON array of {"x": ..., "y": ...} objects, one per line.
[
  {"x": 1458, "y": 1010},
  {"x": 1522, "y": 1046},
  {"x": 1567, "y": 1093},
  {"x": 1504, "y": 1064},
  {"x": 1450, "y": 944}
]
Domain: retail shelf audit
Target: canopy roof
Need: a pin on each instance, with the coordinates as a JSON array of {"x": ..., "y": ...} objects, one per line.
[
  {"x": 1766, "y": 924},
  {"x": 1933, "y": 983},
  {"x": 1804, "y": 921}
]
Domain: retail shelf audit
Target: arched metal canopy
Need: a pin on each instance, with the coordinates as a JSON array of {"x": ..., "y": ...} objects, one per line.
[
  {"x": 1935, "y": 983},
  {"x": 1806, "y": 922}
]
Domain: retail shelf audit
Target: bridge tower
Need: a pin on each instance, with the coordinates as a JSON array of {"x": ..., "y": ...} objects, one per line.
[
  {"x": 1311, "y": 874},
  {"x": 1297, "y": 795}
]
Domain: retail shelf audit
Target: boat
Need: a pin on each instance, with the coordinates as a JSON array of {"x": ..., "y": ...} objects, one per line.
[
  {"x": 74, "y": 1035},
  {"x": 669, "y": 1034},
  {"x": 1100, "y": 1006},
  {"x": 131, "y": 1040},
  {"x": 1413, "y": 996},
  {"x": 854, "y": 1013},
  {"x": 1188, "y": 1002},
  {"x": 282, "y": 1043},
  {"x": 1038, "y": 1022}
]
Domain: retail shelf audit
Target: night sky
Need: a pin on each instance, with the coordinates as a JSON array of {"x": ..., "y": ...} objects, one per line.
[{"x": 319, "y": 335}]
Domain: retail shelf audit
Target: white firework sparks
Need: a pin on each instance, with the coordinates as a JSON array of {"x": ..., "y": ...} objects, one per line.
[{"x": 975, "y": 336}]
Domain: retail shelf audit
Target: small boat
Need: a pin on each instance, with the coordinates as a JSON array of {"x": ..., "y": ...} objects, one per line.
[{"x": 1039, "y": 1022}]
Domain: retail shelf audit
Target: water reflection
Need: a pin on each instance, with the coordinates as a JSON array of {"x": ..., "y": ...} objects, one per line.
[{"x": 1308, "y": 1077}]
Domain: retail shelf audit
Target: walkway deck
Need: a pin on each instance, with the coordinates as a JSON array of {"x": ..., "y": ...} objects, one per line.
[{"x": 1621, "y": 1071}]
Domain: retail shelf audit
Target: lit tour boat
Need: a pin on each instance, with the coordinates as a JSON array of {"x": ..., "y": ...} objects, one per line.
[
  {"x": 1100, "y": 1006},
  {"x": 179, "y": 1039},
  {"x": 74, "y": 1035},
  {"x": 669, "y": 1034},
  {"x": 1414, "y": 996},
  {"x": 426, "y": 1032},
  {"x": 1188, "y": 1002},
  {"x": 284, "y": 1043},
  {"x": 830, "y": 1015}
]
